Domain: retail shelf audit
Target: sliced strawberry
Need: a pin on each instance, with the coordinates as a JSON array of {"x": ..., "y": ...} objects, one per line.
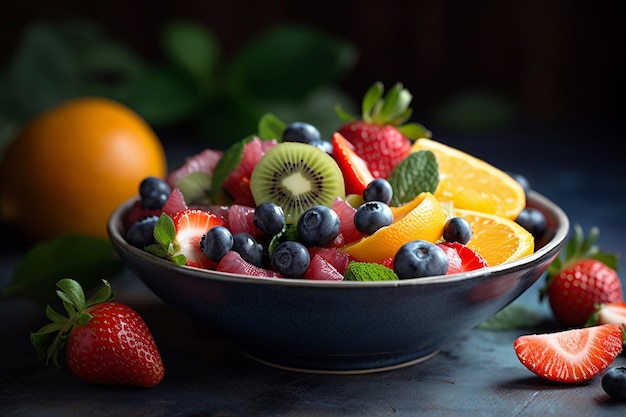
[
  {"x": 191, "y": 225},
  {"x": 461, "y": 258},
  {"x": 322, "y": 270},
  {"x": 356, "y": 174},
  {"x": 237, "y": 183},
  {"x": 570, "y": 356},
  {"x": 609, "y": 313}
]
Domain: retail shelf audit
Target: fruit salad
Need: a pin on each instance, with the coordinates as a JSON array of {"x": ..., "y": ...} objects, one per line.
[{"x": 379, "y": 200}]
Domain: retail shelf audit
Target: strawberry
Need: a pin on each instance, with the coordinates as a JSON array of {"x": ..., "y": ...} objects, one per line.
[
  {"x": 380, "y": 136},
  {"x": 609, "y": 313},
  {"x": 583, "y": 277},
  {"x": 356, "y": 174},
  {"x": 190, "y": 226},
  {"x": 461, "y": 258},
  {"x": 107, "y": 342},
  {"x": 570, "y": 356}
]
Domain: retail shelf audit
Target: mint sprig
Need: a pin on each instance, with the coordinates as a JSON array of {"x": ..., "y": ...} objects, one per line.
[
  {"x": 165, "y": 245},
  {"x": 417, "y": 173}
]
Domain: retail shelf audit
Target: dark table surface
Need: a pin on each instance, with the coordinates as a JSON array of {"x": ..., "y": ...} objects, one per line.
[{"x": 475, "y": 374}]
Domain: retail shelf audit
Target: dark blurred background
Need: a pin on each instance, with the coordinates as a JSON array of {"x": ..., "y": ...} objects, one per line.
[{"x": 556, "y": 60}]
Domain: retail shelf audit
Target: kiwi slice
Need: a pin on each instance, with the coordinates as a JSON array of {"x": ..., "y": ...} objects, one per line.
[{"x": 296, "y": 176}]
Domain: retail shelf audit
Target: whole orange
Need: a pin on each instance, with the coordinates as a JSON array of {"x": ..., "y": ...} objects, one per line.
[{"x": 71, "y": 166}]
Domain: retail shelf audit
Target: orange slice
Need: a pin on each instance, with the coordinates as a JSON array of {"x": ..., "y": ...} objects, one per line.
[
  {"x": 473, "y": 184},
  {"x": 496, "y": 238},
  {"x": 425, "y": 221}
]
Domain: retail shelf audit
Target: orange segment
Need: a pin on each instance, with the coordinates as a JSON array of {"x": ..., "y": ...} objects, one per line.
[
  {"x": 473, "y": 184},
  {"x": 425, "y": 221},
  {"x": 497, "y": 239}
]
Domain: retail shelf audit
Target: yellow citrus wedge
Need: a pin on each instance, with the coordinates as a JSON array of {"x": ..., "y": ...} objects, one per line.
[
  {"x": 496, "y": 238},
  {"x": 473, "y": 184},
  {"x": 425, "y": 221}
]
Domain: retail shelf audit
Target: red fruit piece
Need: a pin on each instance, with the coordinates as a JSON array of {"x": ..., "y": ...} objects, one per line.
[
  {"x": 175, "y": 203},
  {"x": 356, "y": 174},
  {"x": 241, "y": 219},
  {"x": 237, "y": 183},
  {"x": 609, "y": 313},
  {"x": 570, "y": 356},
  {"x": 191, "y": 225},
  {"x": 381, "y": 136},
  {"x": 461, "y": 258},
  {"x": 347, "y": 229},
  {"x": 321, "y": 270},
  {"x": 337, "y": 258},
  {"x": 136, "y": 213},
  {"x": 233, "y": 263},
  {"x": 107, "y": 342},
  {"x": 203, "y": 162},
  {"x": 582, "y": 279}
]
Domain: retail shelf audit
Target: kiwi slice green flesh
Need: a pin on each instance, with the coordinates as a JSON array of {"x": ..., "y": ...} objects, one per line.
[{"x": 296, "y": 176}]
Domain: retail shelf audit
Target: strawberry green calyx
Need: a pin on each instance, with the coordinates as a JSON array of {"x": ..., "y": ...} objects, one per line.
[
  {"x": 52, "y": 338},
  {"x": 581, "y": 247},
  {"x": 392, "y": 109}
]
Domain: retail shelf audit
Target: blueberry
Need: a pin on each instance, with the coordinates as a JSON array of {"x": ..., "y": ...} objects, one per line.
[
  {"x": 324, "y": 145},
  {"x": 269, "y": 218},
  {"x": 420, "y": 258},
  {"x": 141, "y": 233},
  {"x": 532, "y": 220},
  {"x": 371, "y": 216},
  {"x": 249, "y": 249},
  {"x": 301, "y": 132},
  {"x": 614, "y": 382},
  {"x": 153, "y": 193},
  {"x": 216, "y": 243},
  {"x": 378, "y": 190},
  {"x": 457, "y": 229},
  {"x": 318, "y": 226},
  {"x": 291, "y": 259}
]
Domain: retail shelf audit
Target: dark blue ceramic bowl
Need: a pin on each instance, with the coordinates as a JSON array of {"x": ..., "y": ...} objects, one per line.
[{"x": 342, "y": 327}]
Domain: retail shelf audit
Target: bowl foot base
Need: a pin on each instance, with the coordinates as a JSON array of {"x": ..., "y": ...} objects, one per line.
[{"x": 348, "y": 365}]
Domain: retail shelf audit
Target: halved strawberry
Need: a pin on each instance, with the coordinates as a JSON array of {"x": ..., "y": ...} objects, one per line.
[
  {"x": 356, "y": 174},
  {"x": 570, "y": 356},
  {"x": 380, "y": 136},
  {"x": 461, "y": 258},
  {"x": 609, "y": 313},
  {"x": 191, "y": 225}
]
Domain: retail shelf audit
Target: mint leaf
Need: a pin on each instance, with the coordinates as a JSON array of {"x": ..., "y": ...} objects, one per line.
[
  {"x": 271, "y": 127},
  {"x": 83, "y": 258},
  {"x": 365, "y": 271},
  {"x": 417, "y": 173},
  {"x": 514, "y": 316},
  {"x": 230, "y": 160}
]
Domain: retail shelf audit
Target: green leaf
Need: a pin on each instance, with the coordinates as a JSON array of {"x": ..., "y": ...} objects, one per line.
[
  {"x": 514, "y": 316},
  {"x": 71, "y": 292},
  {"x": 164, "y": 230},
  {"x": 193, "y": 50},
  {"x": 415, "y": 131},
  {"x": 289, "y": 61},
  {"x": 230, "y": 160},
  {"x": 417, "y": 173},
  {"x": 85, "y": 259},
  {"x": 365, "y": 271},
  {"x": 271, "y": 127}
]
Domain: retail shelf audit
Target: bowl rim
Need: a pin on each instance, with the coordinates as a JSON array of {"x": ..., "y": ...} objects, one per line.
[{"x": 114, "y": 227}]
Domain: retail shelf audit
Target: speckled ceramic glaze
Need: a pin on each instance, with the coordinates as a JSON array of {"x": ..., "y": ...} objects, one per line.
[{"x": 342, "y": 327}]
